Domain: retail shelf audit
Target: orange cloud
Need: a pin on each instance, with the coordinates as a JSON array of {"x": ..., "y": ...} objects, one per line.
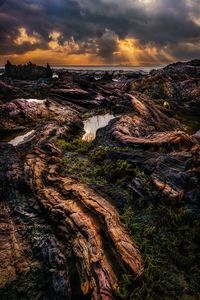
[
  {"x": 23, "y": 37},
  {"x": 41, "y": 56}
]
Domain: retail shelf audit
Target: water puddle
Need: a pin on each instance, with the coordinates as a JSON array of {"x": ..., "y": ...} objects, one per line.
[
  {"x": 97, "y": 78},
  {"x": 55, "y": 75},
  {"x": 92, "y": 124},
  {"x": 36, "y": 100},
  {"x": 21, "y": 138}
]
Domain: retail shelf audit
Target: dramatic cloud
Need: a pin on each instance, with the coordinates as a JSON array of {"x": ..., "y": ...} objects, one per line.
[
  {"x": 99, "y": 31},
  {"x": 25, "y": 38}
]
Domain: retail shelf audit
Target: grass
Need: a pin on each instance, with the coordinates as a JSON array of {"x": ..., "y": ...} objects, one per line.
[
  {"x": 169, "y": 242},
  {"x": 82, "y": 169},
  {"x": 100, "y": 153},
  {"x": 125, "y": 284},
  {"x": 91, "y": 165},
  {"x": 144, "y": 179},
  {"x": 105, "y": 172},
  {"x": 77, "y": 145}
]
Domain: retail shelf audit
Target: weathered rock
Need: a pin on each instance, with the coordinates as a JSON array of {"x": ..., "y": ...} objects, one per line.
[
  {"x": 197, "y": 135},
  {"x": 172, "y": 177},
  {"x": 8, "y": 92},
  {"x": 177, "y": 83},
  {"x": 145, "y": 126},
  {"x": 23, "y": 112},
  {"x": 73, "y": 93}
]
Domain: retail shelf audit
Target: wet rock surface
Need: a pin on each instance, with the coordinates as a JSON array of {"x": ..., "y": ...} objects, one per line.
[{"x": 64, "y": 201}]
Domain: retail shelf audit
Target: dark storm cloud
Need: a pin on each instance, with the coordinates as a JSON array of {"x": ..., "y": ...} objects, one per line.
[{"x": 96, "y": 24}]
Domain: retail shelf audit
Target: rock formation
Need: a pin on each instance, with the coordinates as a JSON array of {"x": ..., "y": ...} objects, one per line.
[
  {"x": 62, "y": 237},
  {"x": 27, "y": 72},
  {"x": 177, "y": 83}
]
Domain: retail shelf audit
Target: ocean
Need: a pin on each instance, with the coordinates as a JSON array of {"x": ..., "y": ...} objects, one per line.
[
  {"x": 108, "y": 68},
  {"x": 103, "y": 68}
]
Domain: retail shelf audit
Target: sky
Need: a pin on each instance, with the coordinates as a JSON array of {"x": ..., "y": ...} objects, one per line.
[{"x": 99, "y": 32}]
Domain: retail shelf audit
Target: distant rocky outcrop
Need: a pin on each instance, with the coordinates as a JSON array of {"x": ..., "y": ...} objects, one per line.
[{"x": 27, "y": 72}]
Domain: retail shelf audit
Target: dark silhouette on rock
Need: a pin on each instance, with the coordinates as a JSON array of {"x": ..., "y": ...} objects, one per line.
[{"x": 27, "y": 72}]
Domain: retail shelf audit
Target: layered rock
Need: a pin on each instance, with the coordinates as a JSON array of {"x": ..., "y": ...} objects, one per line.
[
  {"x": 145, "y": 125},
  {"x": 8, "y": 92}
]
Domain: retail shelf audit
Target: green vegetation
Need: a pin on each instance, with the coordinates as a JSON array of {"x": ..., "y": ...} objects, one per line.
[
  {"x": 125, "y": 284},
  {"x": 81, "y": 168},
  {"x": 169, "y": 242},
  {"x": 77, "y": 145},
  {"x": 93, "y": 165},
  {"x": 168, "y": 237},
  {"x": 144, "y": 179},
  {"x": 101, "y": 173},
  {"x": 100, "y": 152}
]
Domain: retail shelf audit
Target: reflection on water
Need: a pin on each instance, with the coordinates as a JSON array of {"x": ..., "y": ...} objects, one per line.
[
  {"x": 92, "y": 124},
  {"x": 21, "y": 138}
]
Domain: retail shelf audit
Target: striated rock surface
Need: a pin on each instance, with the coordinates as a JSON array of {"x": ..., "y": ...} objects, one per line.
[{"x": 146, "y": 125}]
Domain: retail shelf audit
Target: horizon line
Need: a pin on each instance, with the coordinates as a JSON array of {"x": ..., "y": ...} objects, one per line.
[{"x": 67, "y": 65}]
